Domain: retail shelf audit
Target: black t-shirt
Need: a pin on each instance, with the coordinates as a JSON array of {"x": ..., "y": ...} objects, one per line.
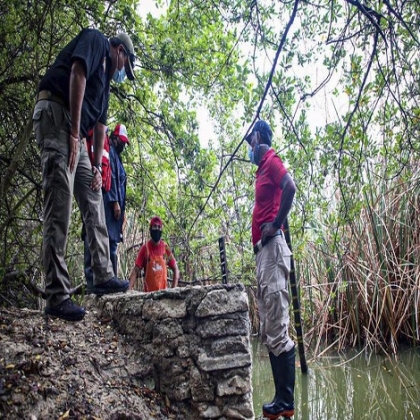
[{"x": 92, "y": 48}]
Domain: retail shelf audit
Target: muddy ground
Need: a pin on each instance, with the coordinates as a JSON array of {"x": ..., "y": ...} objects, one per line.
[{"x": 62, "y": 370}]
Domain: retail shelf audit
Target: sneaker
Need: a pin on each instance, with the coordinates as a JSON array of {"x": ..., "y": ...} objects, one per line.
[
  {"x": 114, "y": 285},
  {"x": 67, "y": 310}
]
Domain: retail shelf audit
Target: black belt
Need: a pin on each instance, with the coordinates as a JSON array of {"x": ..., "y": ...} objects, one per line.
[
  {"x": 260, "y": 245},
  {"x": 49, "y": 96}
]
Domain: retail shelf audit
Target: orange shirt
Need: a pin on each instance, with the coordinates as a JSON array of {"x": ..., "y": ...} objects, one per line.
[
  {"x": 154, "y": 259},
  {"x": 161, "y": 249}
]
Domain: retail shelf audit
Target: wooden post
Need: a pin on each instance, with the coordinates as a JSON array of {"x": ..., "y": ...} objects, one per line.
[
  {"x": 223, "y": 264},
  {"x": 295, "y": 300}
]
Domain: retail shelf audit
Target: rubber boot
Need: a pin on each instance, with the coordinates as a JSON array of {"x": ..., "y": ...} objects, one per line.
[{"x": 283, "y": 404}]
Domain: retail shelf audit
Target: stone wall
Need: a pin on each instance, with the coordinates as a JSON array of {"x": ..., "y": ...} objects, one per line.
[{"x": 193, "y": 345}]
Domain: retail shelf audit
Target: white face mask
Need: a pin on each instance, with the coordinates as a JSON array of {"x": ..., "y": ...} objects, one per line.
[{"x": 119, "y": 75}]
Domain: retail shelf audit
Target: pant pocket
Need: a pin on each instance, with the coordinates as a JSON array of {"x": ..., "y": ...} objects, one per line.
[
  {"x": 37, "y": 125},
  {"x": 50, "y": 120},
  {"x": 283, "y": 255}
]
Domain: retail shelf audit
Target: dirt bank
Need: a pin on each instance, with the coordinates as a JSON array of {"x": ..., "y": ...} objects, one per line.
[{"x": 64, "y": 370}]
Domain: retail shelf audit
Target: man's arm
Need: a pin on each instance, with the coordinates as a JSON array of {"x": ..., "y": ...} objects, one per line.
[
  {"x": 288, "y": 188},
  {"x": 139, "y": 263},
  {"x": 133, "y": 276},
  {"x": 98, "y": 148},
  {"x": 99, "y": 133},
  {"x": 288, "y": 193},
  {"x": 176, "y": 275},
  {"x": 76, "y": 95}
]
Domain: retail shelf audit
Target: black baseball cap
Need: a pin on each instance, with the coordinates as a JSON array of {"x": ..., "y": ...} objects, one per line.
[{"x": 264, "y": 129}]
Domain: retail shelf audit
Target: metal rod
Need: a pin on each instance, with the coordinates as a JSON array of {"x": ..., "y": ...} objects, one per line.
[{"x": 295, "y": 300}]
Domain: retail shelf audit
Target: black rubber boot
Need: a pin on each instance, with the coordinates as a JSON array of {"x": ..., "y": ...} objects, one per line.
[{"x": 283, "y": 404}]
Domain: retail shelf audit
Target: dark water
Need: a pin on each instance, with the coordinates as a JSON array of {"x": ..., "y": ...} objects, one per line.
[{"x": 351, "y": 386}]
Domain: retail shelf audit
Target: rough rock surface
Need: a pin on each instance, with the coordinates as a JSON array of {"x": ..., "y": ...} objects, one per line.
[
  {"x": 64, "y": 370},
  {"x": 194, "y": 345}
]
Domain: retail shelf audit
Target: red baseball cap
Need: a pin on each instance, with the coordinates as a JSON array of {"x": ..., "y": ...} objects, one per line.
[
  {"x": 120, "y": 130},
  {"x": 156, "y": 220}
]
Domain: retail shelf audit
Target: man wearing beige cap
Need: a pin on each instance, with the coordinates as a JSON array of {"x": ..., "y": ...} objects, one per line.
[{"x": 73, "y": 96}]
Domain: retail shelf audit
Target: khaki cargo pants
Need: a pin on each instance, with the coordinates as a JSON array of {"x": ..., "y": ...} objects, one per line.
[
  {"x": 273, "y": 268},
  {"x": 51, "y": 122}
]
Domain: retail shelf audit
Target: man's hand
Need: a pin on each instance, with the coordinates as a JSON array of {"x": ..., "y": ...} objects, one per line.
[
  {"x": 117, "y": 210},
  {"x": 267, "y": 230},
  {"x": 96, "y": 184},
  {"x": 73, "y": 151}
]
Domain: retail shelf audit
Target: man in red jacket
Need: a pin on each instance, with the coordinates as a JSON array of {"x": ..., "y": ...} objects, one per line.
[{"x": 274, "y": 193}]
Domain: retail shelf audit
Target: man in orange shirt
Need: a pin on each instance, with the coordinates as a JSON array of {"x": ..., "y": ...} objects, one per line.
[{"x": 154, "y": 257}]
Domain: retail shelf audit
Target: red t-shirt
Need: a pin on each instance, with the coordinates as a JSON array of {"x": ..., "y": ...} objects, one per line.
[
  {"x": 267, "y": 192},
  {"x": 161, "y": 249}
]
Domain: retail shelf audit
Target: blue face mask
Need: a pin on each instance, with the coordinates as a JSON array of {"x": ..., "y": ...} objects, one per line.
[
  {"x": 252, "y": 155},
  {"x": 119, "y": 75}
]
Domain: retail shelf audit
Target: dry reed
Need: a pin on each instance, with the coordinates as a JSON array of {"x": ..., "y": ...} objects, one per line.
[{"x": 364, "y": 289}]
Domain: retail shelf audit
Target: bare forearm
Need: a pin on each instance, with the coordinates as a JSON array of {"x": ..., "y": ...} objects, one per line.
[
  {"x": 98, "y": 142},
  {"x": 76, "y": 95},
  {"x": 133, "y": 276},
  {"x": 176, "y": 276},
  {"x": 288, "y": 193}
]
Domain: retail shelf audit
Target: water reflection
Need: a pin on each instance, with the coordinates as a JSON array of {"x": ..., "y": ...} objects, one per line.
[{"x": 352, "y": 386}]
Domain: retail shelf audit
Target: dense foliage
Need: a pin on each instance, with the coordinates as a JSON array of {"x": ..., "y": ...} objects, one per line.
[{"x": 339, "y": 83}]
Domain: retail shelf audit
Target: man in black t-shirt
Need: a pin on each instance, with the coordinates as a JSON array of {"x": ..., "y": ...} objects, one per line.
[{"x": 73, "y": 96}]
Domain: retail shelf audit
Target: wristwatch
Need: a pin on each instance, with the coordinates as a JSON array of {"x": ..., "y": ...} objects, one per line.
[{"x": 98, "y": 167}]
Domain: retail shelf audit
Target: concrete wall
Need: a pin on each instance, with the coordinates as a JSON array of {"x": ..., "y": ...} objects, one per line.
[{"x": 193, "y": 345}]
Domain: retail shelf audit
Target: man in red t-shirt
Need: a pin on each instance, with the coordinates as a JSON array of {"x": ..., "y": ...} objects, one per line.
[
  {"x": 274, "y": 193},
  {"x": 154, "y": 257}
]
